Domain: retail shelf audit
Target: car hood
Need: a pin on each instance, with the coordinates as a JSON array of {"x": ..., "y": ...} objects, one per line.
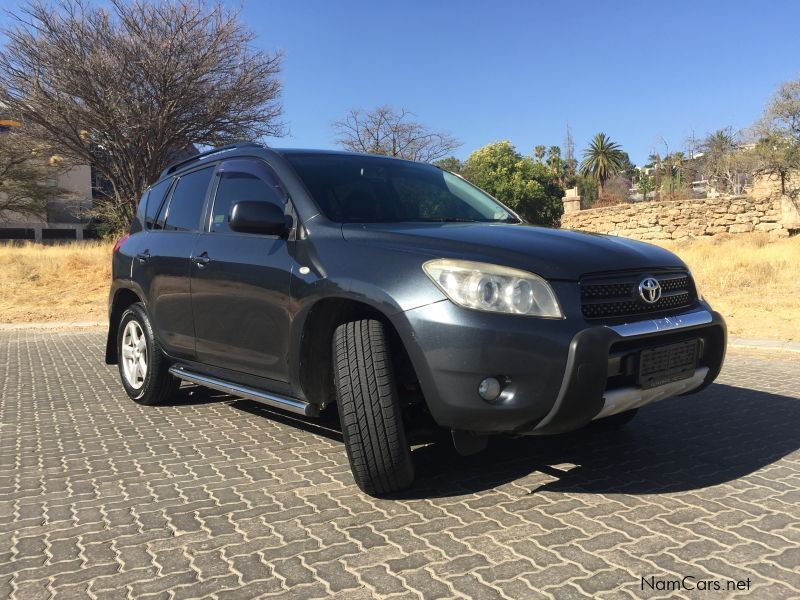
[{"x": 551, "y": 253}]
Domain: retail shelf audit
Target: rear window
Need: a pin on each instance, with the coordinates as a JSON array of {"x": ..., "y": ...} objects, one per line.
[
  {"x": 363, "y": 189},
  {"x": 154, "y": 200},
  {"x": 140, "y": 213},
  {"x": 186, "y": 205}
]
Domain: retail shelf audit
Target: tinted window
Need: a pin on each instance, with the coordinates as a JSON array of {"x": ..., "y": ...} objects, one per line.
[
  {"x": 355, "y": 188},
  {"x": 157, "y": 193},
  {"x": 253, "y": 181},
  {"x": 187, "y": 201},
  {"x": 138, "y": 223}
]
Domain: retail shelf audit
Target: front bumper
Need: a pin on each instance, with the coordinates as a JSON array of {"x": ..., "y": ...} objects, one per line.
[{"x": 561, "y": 374}]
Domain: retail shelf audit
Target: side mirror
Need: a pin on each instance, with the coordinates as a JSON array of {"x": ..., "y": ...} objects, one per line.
[{"x": 251, "y": 216}]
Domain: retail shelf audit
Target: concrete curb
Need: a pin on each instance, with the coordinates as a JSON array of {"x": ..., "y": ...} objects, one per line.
[
  {"x": 50, "y": 325},
  {"x": 782, "y": 346}
]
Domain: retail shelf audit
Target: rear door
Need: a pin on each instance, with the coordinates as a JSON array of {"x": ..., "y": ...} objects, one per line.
[
  {"x": 240, "y": 281},
  {"x": 162, "y": 266}
]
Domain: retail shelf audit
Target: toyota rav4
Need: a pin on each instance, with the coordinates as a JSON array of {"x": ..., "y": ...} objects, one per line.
[{"x": 396, "y": 293}]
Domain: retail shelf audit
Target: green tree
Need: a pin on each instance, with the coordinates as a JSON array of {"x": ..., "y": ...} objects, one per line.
[
  {"x": 602, "y": 160},
  {"x": 518, "y": 181},
  {"x": 450, "y": 163},
  {"x": 645, "y": 185},
  {"x": 627, "y": 169},
  {"x": 587, "y": 190},
  {"x": 554, "y": 163},
  {"x": 672, "y": 168},
  {"x": 539, "y": 152}
]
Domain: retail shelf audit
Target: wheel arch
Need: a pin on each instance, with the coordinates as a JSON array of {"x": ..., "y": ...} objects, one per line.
[
  {"x": 314, "y": 353},
  {"x": 122, "y": 299}
]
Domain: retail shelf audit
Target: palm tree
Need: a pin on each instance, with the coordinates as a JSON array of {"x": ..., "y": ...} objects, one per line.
[
  {"x": 602, "y": 160},
  {"x": 538, "y": 152}
]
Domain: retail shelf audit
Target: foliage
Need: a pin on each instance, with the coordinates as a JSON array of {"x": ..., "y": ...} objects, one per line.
[
  {"x": 602, "y": 160},
  {"x": 520, "y": 182},
  {"x": 26, "y": 178},
  {"x": 390, "y": 132},
  {"x": 450, "y": 163},
  {"x": 129, "y": 86},
  {"x": 646, "y": 185},
  {"x": 627, "y": 169},
  {"x": 587, "y": 190},
  {"x": 724, "y": 163}
]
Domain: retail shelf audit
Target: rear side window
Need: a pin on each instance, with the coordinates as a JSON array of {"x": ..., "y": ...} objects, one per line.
[
  {"x": 154, "y": 200},
  {"x": 186, "y": 205},
  {"x": 243, "y": 180},
  {"x": 138, "y": 222}
]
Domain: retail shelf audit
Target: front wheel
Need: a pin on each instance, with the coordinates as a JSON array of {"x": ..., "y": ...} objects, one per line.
[
  {"x": 144, "y": 371},
  {"x": 370, "y": 413}
]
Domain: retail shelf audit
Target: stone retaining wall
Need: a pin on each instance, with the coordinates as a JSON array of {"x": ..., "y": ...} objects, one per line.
[{"x": 681, "y": 219}]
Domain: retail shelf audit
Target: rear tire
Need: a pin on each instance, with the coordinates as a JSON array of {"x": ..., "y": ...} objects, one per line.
[
  {"x": 143, "y": 368},
  {"x": 369, "y": 409}
]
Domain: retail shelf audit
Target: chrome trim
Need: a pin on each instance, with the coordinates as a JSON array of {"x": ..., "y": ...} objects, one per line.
[
  {"x": 622, "y": 399},
  {"x": 700, "y": 317},
  {"x": 269, "y": 398}
]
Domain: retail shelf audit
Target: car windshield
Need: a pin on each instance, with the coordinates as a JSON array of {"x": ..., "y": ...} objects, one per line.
[{"x": 370, "y": 189}]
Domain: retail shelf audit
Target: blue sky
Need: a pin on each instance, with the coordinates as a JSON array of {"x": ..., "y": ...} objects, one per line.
[
  {"x": 486, "y": 71},
  {"x": 639, "y": 71}
]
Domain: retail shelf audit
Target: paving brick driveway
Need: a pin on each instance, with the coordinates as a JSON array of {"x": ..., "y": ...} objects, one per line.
[{"x": 215, "y": 497}]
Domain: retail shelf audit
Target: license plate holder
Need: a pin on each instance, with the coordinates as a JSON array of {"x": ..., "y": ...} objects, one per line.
[{"x": 665, "y": 364}]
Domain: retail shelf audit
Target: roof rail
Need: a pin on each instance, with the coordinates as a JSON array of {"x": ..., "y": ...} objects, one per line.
[{"x": 177, "y": 164}]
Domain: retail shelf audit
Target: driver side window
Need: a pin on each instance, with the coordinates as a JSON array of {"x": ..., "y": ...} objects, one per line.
[{"x": 252, "y": 180}]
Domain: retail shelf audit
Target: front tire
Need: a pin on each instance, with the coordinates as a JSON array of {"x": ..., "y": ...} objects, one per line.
[
  {"x": 142, "y": 367},
  {"x": 369, "y": 409}
]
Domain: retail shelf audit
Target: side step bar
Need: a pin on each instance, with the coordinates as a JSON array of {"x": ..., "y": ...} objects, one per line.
[{"x": 269, "y": 398}]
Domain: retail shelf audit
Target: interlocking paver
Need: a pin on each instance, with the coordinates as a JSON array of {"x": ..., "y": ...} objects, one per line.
[{"x": 218, "y": 497}]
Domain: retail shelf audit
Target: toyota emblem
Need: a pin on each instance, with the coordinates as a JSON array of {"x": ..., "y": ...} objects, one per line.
[{"x": 650, "y": 290}]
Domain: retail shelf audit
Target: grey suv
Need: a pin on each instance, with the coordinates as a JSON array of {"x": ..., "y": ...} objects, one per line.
[{"x": 398, "y": 294}]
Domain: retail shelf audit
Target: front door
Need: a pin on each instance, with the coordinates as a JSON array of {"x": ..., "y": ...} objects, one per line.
[{"x": 240, "y": 281}]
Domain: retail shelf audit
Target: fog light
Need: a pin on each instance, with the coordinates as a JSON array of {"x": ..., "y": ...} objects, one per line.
[{"x": 489, "y": 389}]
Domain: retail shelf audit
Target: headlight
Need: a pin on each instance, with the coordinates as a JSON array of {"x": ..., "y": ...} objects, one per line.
[{"x": 493, "y": 288}]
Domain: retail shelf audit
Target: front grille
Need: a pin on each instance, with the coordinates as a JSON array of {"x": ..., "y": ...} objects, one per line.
[{"x": 607, "y": 297}]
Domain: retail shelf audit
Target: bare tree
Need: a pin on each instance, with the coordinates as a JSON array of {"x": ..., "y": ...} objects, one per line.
[
  {"x": 390, "y": 132},
  {"x": 777, "y": 136},
  {"x": 27, "y": 178},
  {"x": 129, "y": 87}
]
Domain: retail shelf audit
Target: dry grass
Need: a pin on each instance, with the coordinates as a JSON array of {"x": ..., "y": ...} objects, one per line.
[
  {"x": 753, "y": 281},
  {"x": 750, "y": 279},
  {"x": 54, "y": 283}
]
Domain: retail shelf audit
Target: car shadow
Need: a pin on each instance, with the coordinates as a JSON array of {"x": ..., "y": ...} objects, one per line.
[{"x": 685, "y": 443}]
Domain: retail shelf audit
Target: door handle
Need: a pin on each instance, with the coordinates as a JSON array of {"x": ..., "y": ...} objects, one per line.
[
  {"x": 202, "y": 260},
  {"x": 143, "y": 256}
]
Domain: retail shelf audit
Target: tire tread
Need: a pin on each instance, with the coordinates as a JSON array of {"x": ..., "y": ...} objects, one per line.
[{"x": 371, "y": 418}]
